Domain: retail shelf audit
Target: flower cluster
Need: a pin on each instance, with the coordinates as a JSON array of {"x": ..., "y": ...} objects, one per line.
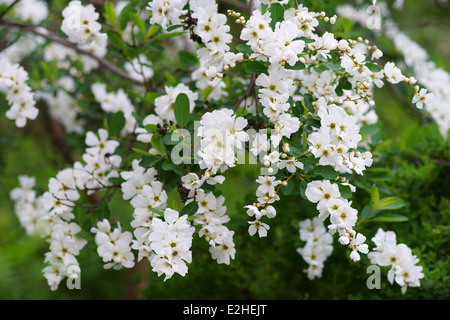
[
  {"x": 317, "y": 248},
  {"x": 164, "y": 104},
  {"x": 313, "y": 89},
  {"x": 114, "y": 102},
  {"x": 266, "y": 194},
  {"x": 80, "y": 24},
  {"x": 221, "y": 135},
  {"x": 113, "y": 246},
  {"x": 170, "y": 242},
  {"x": 34, "y": 11},
  {"x": 165, "y": 12},
  {"x": 434, "y": 97},
  {"x": 37, "y": 215},
  {"x": 211, "y": 216},
  {"x": 404, "y": 269},
  {"x": 279, "y": 47},
  {"x": 65, "y": 245},
  {"x": 13, "y": 79},
  {"x": 336, "y": 140},
  {"x": 51, "y": 214},
  {"x": 342, "y": 216},
  {"x": 145, "y": 204},
  {"x": 139, "y": 68},
  {"x": 27, "y": 204},
  {"x": 211, "y": 28},
  {"x": 136, "y": 180},
  {"x": 63, "y": 107},
  {"x": 64, "y": 56}
]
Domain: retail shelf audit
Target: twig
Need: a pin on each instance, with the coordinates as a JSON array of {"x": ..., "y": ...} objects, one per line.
[
  {"x": 4, "y": 12},
  {"x": 54, "y": 37},
  {"x": 406, "y": 104},
  {"x": 239, "y": 5},
  {"x": 246, "y": 93},
  {"x": 250, "y": 7}
]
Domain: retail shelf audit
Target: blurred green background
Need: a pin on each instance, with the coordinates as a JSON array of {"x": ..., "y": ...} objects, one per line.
[{"x": 266, "y": 268}]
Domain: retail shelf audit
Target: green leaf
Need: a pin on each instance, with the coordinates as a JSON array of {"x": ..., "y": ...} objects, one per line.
[
  {"x": 168, "y": 35},
  {"x": 206, "y": 92},
  {"x": 125, "y": 17},
  {"x": 168, "y": 165},
  {"x": 320, "y": 68},
  {"x": 115, "y": 39},
  {"x": 288, "y": 190},
  {"x": 369, "y": 130},
  {"x": 152, "y": 30},
  {"x": 390, "y": 217},
  {"x": 159, "y": 212},
  {"x": 308, "y": 99},
  {"x": 327, "y": 172},
  {"x": 339, "y": 91},
  {"x": 276, "y": 14},
  {"x": 373, "y": 67},
  {"x": 305, "y": 140},
  {"x": 298, "y": 109},
  {"x": 306, "y": 40},
  {"x": 303, "y": 186},
  {"x": 151, "y": 127},
  {"x": 103, "y": 211},
  {"x": 257, "y": 67},
  {"x": 117, "y": 123},
  {"x": 333, "y": 66},
  {"x": 116, "y": 180},
  {"x": 138, "y": 22},
  {"x": 297, "y": 66},
  {"x": 245, "y": 49},
  {"x": 157, "y": 143},
  {"x": 294, "y": 152},
  {"x": 144, "y": 153},
  {"x": 190, "y": 209},
  {"x": 149, "y": 161},
  {"x": 173, "y": 27},
  {"x": 188, "y": 58},
  {"x": 110, "y": 13},
  {"x": 181, "y": 109},
  {"x": 346, "y": 191},
  {"x": 365, "y": 212},
  {"x": 390, "y": 203},
  {"x": 345, "y": 84},
  {"x": 374, "y": 196},
  {"x": 171, "y": 140}
]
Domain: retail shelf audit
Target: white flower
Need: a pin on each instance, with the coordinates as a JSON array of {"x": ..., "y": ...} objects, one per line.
[
  {"x": 165, "y": 104},
  {"x": 80, "y": 23},
  {"x": 165, "y": 12},
  {"x": 258, "y": 226},
  {"x": 101, "y": 144},
  {"x": 136, "y": 179},
  {"x": 421, "y": 98},
  {"x": 392, "y": 73},
  {"x": 357, "y": 244}
]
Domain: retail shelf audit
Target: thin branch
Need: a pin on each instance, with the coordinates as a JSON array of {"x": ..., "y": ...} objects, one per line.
[
  {"x": 237, "y": 4},
  {"x": 46, "y": 34},
  {"x": 246, "y": 93},
  {"x": 250, "y": 7},
  {"x": 4, "y": 12},
  {"x": 406, "y": 104}
]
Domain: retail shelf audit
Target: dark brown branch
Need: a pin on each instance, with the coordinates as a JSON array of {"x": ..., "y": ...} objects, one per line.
[
  {"x": 236, "y": 4},
  {"x": 4, "y": 12},
  {"x": 246, "y": 93},
  {"x": 55, "y": 38}
]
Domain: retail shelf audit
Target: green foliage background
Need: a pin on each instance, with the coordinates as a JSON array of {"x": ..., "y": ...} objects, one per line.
[{"x": 414, "y": 165}]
